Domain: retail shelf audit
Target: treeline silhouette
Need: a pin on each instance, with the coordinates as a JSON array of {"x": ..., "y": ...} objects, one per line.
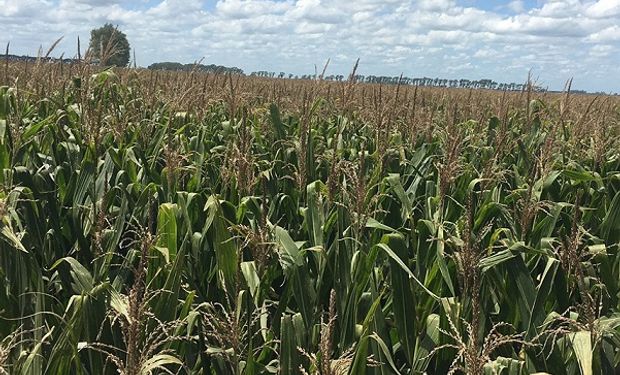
[
  {"x": 424, "y": 81},
  {"x": 211, "y": 68},
  {"x": 34, "y": 59}
]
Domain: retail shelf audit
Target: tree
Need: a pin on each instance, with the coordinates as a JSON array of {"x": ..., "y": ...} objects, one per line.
[{"x": 109, "y": 45}]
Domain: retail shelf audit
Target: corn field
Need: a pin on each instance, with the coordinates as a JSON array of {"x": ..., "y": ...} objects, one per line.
[{"x": 185, "y": 223}]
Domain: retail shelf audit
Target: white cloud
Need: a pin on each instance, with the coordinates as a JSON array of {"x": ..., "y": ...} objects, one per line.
[
  {"x": 601, "y": 50},
  {"x": 317, "y": 12},
  {"x": 22, "y": 8},
  {"x": 517, "y": 6},
  {"x": 604, "y": 9},
  {"x": 312, "y": 28},
  {"x": 485, "y": 53},
  {"x": 435, "y": 5},
  {"x": 559, "y": 9},
  {"x": 610, "y": 34},
  {"x": 237, "y": 9}
]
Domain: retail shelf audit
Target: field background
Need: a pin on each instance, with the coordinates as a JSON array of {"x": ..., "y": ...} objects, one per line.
[{"x": 180, "y": 222}]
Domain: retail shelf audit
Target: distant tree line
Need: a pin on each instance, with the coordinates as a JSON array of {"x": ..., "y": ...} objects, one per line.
[
  {"x": 424, "y": 81},
  {"x": 211, "y": 68},
  {"x": 33, "y": 59},
  {"x": 174, "y": 66}
]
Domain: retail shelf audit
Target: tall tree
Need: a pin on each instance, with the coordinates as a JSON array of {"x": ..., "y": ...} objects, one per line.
[{"x": 109, "y": 45}]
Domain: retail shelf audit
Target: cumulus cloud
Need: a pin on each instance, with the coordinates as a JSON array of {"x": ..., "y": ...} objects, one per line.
[
  {"x": 447, "y": 38},
  {"x": 239, "y": 9},
  {"x": 517, "y": 6},
  {"x": 17, "y": 9},
  {"x": 604, "y": 9},
  {"x": 609, "y": 34}
]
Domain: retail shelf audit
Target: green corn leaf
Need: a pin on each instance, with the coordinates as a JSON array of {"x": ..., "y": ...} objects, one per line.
[
  {"x": 403, "y": 296},
  {"x": 167, "y": 231},
  {"x": 390, "y": 253},
  {"x": 582, "y": 346}
]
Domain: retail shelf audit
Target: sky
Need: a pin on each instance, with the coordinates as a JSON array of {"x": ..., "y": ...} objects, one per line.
[{"x": 453, "y": 39}]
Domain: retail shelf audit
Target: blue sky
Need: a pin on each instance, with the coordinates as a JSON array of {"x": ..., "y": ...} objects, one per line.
[{"x": 500, "y": 40}]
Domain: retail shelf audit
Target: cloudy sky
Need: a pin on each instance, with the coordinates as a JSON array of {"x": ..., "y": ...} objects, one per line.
[{"x": 500, "y": 40}]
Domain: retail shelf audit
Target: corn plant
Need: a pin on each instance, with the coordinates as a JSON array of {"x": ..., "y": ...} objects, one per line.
[{"x": 179, "y": 222}]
